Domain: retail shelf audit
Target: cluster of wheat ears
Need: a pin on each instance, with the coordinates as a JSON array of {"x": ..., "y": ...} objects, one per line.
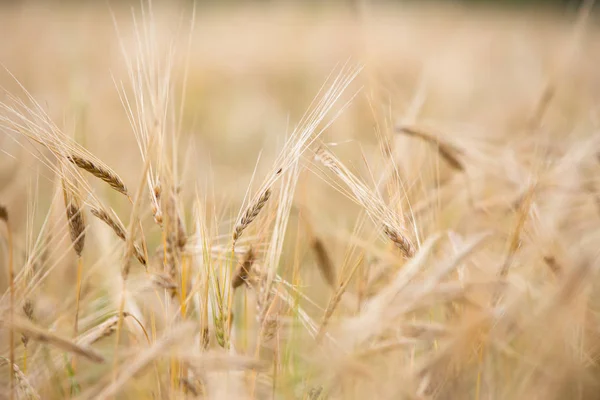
[{"x": 500, "y": 303}]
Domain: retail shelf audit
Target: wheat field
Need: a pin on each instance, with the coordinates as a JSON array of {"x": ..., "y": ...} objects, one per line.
[{"x": 386, "y": 201}]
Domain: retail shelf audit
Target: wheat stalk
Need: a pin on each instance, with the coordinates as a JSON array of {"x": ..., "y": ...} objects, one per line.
[
  {"x": 11, "y": 280},
  {"x": 42, "y": 336}
]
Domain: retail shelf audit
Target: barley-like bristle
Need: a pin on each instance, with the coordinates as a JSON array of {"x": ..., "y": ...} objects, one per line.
[
  {"x": 401, "y": 241},
  {"x": 243, "y": 270},
  {"x": 250, "y": 214},
  {"x": 100, "y": 172}
]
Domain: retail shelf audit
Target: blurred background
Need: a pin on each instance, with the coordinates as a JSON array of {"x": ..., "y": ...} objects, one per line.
[{"x": 475, "y": 68}]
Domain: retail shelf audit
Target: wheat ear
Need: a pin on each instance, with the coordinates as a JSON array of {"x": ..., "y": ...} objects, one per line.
[
  {"x": 100, "y": 172},
  {"x": 74, "y": 217},
  {"x": 25, "y": 389},
  {"x": 250, "y": 214},
  {"x": 447, "y": 151},
  {"x": 372, "y": 203},
  {"x": 243, "y": 270},
  {"x": 399, "y": 240},
  {"x": 77, "y": 230},
  {"x": 324, "y": 261},
  {"x": 119, "y": 230}
]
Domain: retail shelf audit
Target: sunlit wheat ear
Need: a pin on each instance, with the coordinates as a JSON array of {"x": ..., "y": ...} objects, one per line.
[
  {"x": 103, "y": 330},
  {"x": 304, "y": 135},
  {"x": 250, "y": 214},
  {"x": 100, "y": 172},
  {"x": 24, "y": 388},
  {"x": 75, "y": 216},
  {"x": 399, "y": 240},
  {"x": 119, "y": 230},
  {"x": 447, "y": 151},
  {"x": 112, "y": 223},
  {"x": 242, "y": 272}
]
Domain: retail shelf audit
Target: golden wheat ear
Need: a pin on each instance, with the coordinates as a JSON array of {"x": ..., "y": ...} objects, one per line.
[
  {"x": 376, "y": 208},
  {"x": 447, "y": 151},
  {"x": 250, "y": 214},
  {"x": 24, "y": 388},
  {"x": 324, "y": 261},
  {"x": 99, "y": 171},
  {"x": 399, "y": 240},
  {"x": 117, "y": 227},
  {"x": 75, "y": 218},
  {"x": 242, "y": 272}
]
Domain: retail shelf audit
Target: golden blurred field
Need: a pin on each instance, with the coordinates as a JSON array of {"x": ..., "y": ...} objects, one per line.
[{"x": 493, "y": 181}]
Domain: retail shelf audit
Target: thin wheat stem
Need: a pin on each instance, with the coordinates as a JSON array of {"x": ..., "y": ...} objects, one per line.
[
  {"x": 11, "y": 278},
  {"x": 78, "y": 295}
]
